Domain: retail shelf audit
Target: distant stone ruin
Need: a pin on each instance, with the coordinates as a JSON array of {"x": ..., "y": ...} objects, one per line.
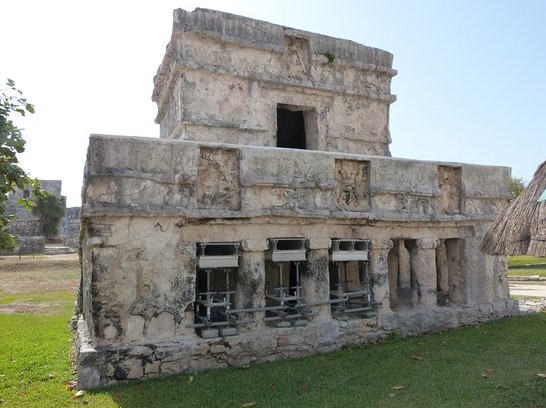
[
  {"x": 268, "y": 221},
  {"x": 27, "y": 228}
]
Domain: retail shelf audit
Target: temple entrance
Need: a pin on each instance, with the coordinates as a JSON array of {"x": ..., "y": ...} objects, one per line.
[{"x": 290, "y": 129}]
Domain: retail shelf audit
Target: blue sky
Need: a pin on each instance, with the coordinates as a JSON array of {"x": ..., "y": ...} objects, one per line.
[{"x": 470, "y": 85}]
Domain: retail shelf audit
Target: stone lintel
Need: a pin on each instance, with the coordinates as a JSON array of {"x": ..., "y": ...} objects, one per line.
[
  {"x": 254, "y": 245},
  {"x": 319, "y": 243}
]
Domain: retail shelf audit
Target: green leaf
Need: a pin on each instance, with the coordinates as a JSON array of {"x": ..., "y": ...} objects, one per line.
[{"x": 11, "y": 143}]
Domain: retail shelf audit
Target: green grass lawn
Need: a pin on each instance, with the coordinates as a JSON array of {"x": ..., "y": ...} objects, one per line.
[
  {"x": 524, "y": 265},
  {"x": 493, "y": 365},
  {"x": 520, "y": 260},
  {"x": 34, "y": 361}
]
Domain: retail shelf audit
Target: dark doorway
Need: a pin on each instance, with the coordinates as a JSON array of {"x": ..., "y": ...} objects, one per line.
[{"x": 290, "y": 129}]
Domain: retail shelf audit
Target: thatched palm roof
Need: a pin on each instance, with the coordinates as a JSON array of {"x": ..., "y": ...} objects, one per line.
[{"x": 521, "y": 227}]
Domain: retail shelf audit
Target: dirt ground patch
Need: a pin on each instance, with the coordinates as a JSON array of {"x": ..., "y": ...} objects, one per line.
[
  {"x": 39, "y": 274},
  {"x": 27, "y": 307}
]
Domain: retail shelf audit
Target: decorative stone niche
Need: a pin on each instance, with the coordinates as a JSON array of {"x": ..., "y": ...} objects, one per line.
[
  {"x": 449, "y": 187},
  {"x": 352, "y": 191},
  {"x": 297, "y": 56},
  {"x": 218, "y": 179}
]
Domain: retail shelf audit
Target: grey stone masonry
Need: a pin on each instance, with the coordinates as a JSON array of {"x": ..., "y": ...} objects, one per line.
[
  {"x": 224, "y": 76},
  {"x": 26, "y": 226},
  {"x": 269, "y": 220}
]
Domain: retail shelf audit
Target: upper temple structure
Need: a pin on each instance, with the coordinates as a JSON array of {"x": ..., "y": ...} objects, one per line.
[{"x": 269, "y": 220}]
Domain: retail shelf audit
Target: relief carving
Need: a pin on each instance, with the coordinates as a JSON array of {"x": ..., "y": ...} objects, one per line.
[
  {"x": 282, "y": 197},
  {"x": 297, "y": 199},
  {"x": 296, "y": 57},
  {"x": 413, "y": 204},
  {"x": 217, "y": 179},
  {"x": 352, "y": 192},
  {"x": 449, "y": 185}
]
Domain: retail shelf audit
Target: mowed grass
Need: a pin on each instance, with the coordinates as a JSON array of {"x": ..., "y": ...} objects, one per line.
[
  {"x": 34, "y": 360},
  {"x": 524, "y": 265},
  {"x": 493, "y": 365},
  {"x": 522, "y": 260}
]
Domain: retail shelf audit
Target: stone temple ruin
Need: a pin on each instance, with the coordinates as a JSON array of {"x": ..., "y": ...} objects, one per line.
[
  {"x": 27, "y": 228},
  {"x": 269, "y": 220}
]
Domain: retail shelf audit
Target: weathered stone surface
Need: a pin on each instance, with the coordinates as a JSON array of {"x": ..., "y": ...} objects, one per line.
[
  {"x": 134, "y": 329},
  {"x": 253, "y": 73},
  {"x": 27, "y": 229},
  {"x": 161, "y": 327},
  {"x": 276, "y": 182},
  {"x": 449, "y": 186},
  {"x": 216, "y": 188},
  {"x": 379, "y": 272},
  {"x": 424, "y": 265}
]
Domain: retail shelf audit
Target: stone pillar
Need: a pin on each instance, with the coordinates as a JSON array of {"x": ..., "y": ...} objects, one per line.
[
  {"x": 458, "y": 276},
  {"x": 187, "y": 259},
  {"x": 442, "y": 267},
  {"x": 404, "y": 288},
  {"x": 502, "y": 291},
  {"x": 315, "y": 278},
  {"x": 250, "y": 289},
  {"x": 404, "y": 267},
  {"x": 393, "y": 267},
  {"x": 424, "y": 267},
  {"x": 379, "y": 272}
]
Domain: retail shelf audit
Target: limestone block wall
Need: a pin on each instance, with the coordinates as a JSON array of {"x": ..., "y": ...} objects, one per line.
[
  {"x": 224, "y": 76},
  {"x": 195, "y": 180},
  {"x": 70, "y": 227},
  {"x": 26, "y": 226},
  {"x": 273, "y": 137},
  {"x": 149, "y": 203}
]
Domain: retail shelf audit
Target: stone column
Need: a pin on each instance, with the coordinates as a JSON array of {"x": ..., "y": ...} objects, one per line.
[
  {"x": 187, "y": 258},
  {"x": 404, "y": 267},
  {"x": 379, "y": 272},
  {"x": 404, "y": 289},
  {"x": 424, "y": 267},
  {"x": 250, "y": 289},
  {"x": 441, "y": 264},
  {"x": 458, "y": 267},
  {"x": 500, "y": 269},
  {"x": 315, "y": 278},
  {"x": 393, "y": 267}
]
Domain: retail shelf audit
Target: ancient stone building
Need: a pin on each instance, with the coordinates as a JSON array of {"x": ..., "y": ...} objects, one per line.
[
  {"x": 269, "y": 221},
  {"x": 27, "y": 227},
  {"x": 70, "y": 227}
]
